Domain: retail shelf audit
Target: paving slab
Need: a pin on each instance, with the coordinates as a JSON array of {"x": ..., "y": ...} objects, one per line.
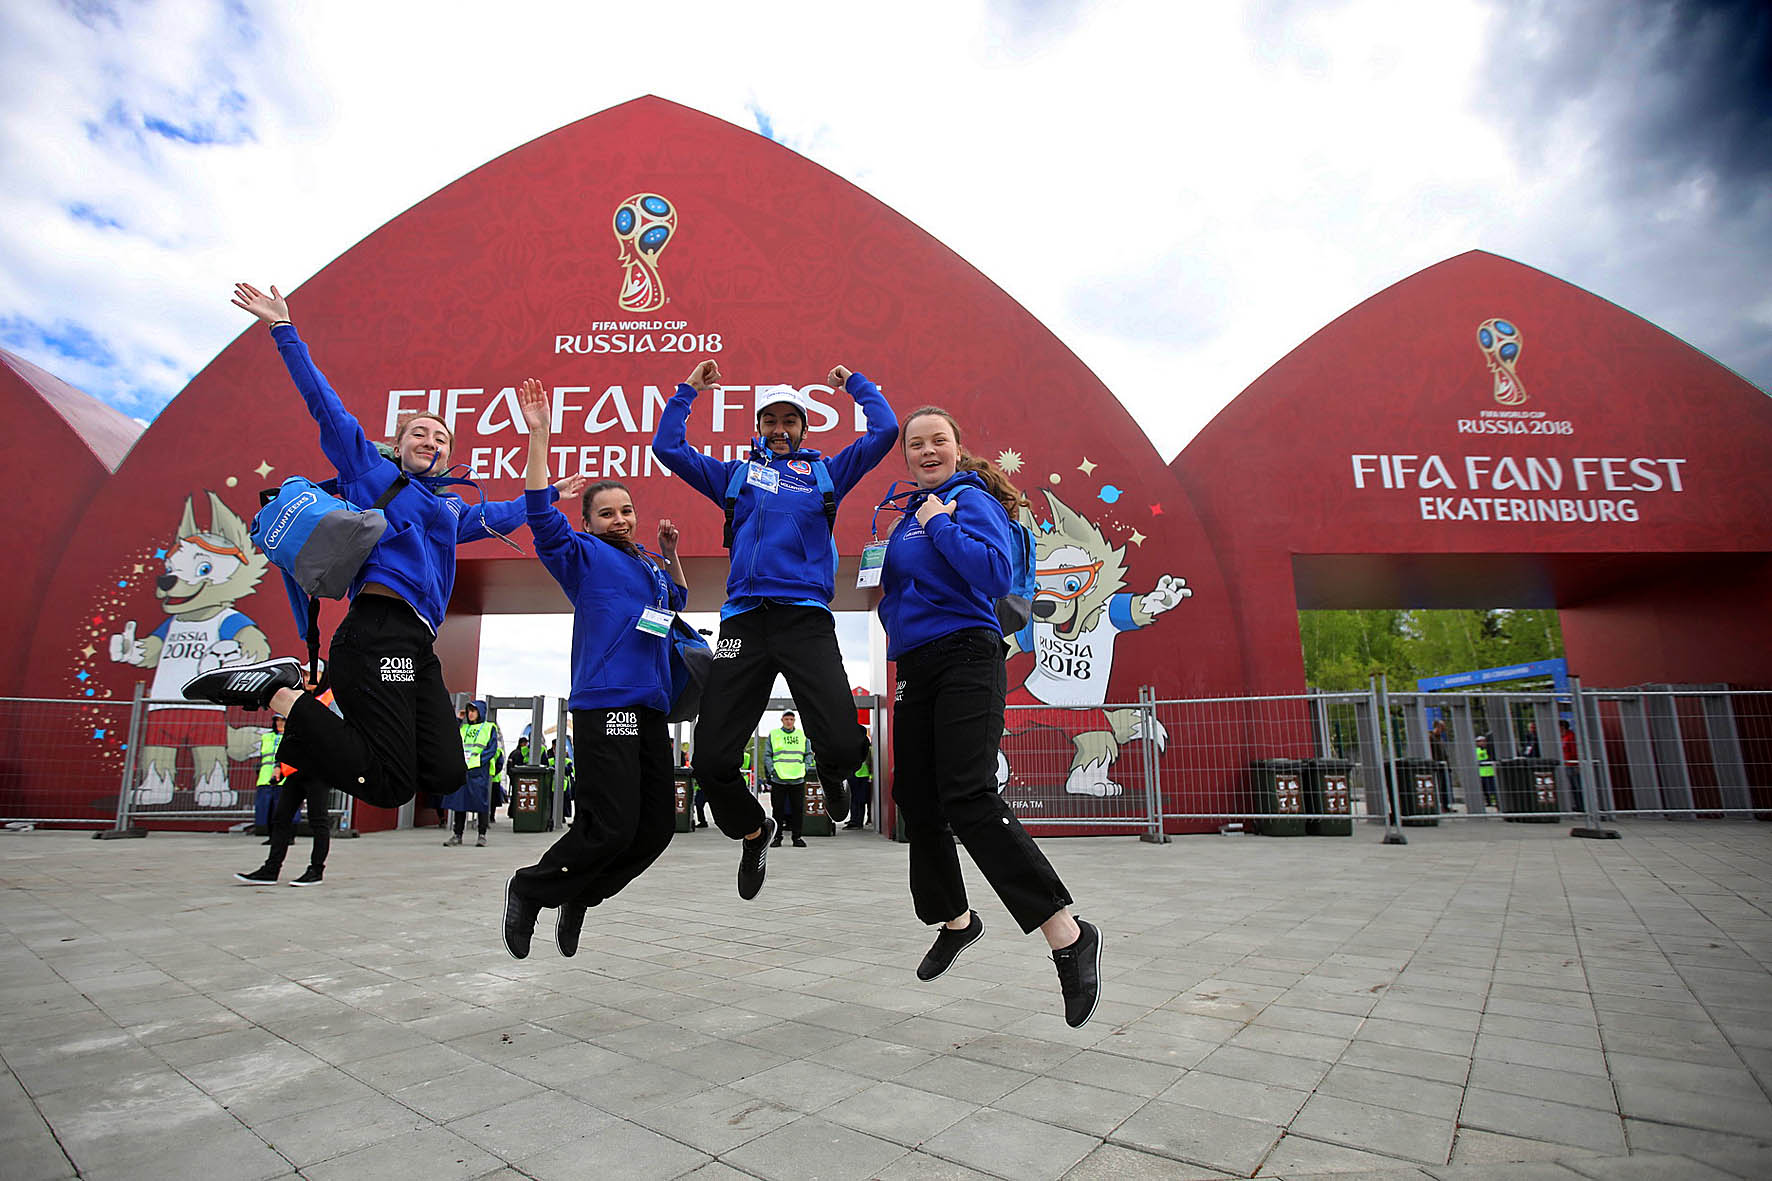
[{"x": 1486, "y": 1001}]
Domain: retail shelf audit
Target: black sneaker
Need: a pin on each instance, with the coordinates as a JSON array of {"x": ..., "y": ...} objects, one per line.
[
  {"x": 519, "y": 921},
  {"x": 798, "y": 843},
  {"x": 567, "y": 927},
  {"x": 1079, "y": 974},
  {"x": 753, "y": 860},
  {"x": 313, "y": 876},
  {"x": 947, "y": 947},
  {"x": 264, "y": 875},
  {"x": 249, "y": 686}
]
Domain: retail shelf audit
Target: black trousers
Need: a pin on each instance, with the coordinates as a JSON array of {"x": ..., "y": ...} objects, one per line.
[
  {"x": 946, "y": 727},
  {"x": 399, "y": 734},
  {"x": 627, "y": 809},
  {"x": 787, "y": 803},
  {"x": 800, "y": 643},
  {"x": 303, "y": 786},
  {"x": 861, "y": 797},
  {"x": 461, "y": 822}
]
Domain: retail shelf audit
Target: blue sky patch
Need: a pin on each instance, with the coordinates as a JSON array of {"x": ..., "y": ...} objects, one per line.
[
  {"x": 63, "y": 338},
  {"x": 765, "y": 125},
  {"x": 82, "y": 212}
]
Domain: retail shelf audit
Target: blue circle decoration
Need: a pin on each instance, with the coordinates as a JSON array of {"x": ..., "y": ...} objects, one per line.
[
  {"x": 655, "y": 205},
  {"x": 1509, "y": 351},
  {"x": 1506, "y": 329},
  {"x": 624, "y": 220},
  {"x": 653, "y": 239},
  {"x": 1485, "y": 338},
  {"x": 1109, "y": 494}
]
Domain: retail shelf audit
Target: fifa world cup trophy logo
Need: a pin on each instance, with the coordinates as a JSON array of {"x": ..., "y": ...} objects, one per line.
[
  {"x": 643, "y": 224},
  {"x": 1500, "y": 341}
]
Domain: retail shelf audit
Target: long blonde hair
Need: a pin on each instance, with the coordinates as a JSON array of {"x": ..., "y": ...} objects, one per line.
[{"x": 995, "y": 481}]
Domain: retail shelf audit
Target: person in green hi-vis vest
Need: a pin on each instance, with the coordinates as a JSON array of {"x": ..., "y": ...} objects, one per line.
[
  {"x": 784, "y": 767},
  {"x": 861, "y": 788},
  {"x": 1486, "y": 770},
  {"x": 265, "y": 797},
  {"x": 480, "y": 748}
]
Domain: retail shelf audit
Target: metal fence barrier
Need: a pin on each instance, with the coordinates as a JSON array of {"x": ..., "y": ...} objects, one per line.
[
  {"x": 60, "y": 759},
  {"x": 1081, "y": 768},
  {"x": 1314, "y": 763},
  {"x": 128, "y": 765}
]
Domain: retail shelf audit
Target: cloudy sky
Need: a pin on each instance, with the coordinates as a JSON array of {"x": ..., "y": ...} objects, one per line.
[{"x": 1266, "y": 165}]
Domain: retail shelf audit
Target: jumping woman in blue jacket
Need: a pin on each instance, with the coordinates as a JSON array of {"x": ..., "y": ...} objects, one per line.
[
  {"x": 622, "y": 601},
  {"x": 398, "y": 734},
  {"x": 781, "y": 503},
  {"x": 947, "y": 562}
]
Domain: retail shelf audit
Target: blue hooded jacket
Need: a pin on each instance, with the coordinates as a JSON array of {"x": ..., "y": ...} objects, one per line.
[
  {"x": 614, "y": 664},
  {"x": 781, "y": 541},
  {"x": 416, "y": 556},
  {"x": 947, "y": 576}
]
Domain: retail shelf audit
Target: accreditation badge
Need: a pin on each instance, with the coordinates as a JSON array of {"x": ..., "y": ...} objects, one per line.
[
  {"x": 763, "y": 477},
  {"x": 873, "y": 562}
]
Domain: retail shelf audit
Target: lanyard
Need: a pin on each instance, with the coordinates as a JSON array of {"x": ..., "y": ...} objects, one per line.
[
  {"x": 892, "y": 494},
  {"x": 660, "y": 579}
]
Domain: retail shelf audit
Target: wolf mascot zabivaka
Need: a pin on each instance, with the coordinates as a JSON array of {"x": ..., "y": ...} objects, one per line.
[
  {"x": 207, "y": 572},
  {"x": 1080, "y": 608}
]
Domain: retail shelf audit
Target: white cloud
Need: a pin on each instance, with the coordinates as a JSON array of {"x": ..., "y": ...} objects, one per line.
[{"x": 1182, "y": 193}]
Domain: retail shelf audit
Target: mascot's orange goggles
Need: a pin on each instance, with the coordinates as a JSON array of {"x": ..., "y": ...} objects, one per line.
[
  {"x": 231, "y": 551},
  {"x": 1082, "y": 576}
]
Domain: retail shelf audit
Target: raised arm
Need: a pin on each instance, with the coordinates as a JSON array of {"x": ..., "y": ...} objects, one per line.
[
  {"x": 849, "y": 465},
  {"x": 667, "y": 548},
  {"x": 671, "y": 441},
  {"x": 555, "y": 543},
  {"x": 341, "y": 435}
]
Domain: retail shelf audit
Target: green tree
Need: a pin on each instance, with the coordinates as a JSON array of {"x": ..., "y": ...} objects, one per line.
[{"x": 1343, "y": 648}]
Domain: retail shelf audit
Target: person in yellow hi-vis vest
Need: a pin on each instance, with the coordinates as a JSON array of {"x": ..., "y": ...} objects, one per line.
[
  {"x": 784, "y": 769},
  {"x": 480, "y": 749},
  {"x": 1486, "y": 770},
  {"x": 296, "y": 787},
  {"x": 265, "y": 797},
  {"x": 861, "y": 788}
]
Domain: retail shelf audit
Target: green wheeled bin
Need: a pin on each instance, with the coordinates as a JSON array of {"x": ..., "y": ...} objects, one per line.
[
  {"x": 1279, "y": 791},
  {"x": 532, "y": 796},
  {"x": 1326, "y": 790},
  {"x": 685, "y": 803},
  {"x": 815, "y": 818},
  {"x": 1529, "y": 786},
  {"x": 1418, "y": 791}
]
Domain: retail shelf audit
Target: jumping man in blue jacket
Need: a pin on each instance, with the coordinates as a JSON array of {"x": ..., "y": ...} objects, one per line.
[
  {"x": 398, "y": 734},
  {"x": 781, "y": 502}
]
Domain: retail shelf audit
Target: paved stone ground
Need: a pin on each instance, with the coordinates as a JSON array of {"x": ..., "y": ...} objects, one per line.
[{"x": 1492, "y": 1001}]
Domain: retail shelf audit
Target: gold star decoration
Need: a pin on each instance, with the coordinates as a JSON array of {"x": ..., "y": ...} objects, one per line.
[
  {"x": 1137, "y": 538},
  {"x": 1009, "y": 461},
  {"x": 88, "y": 651},
  {"x": 263, "y": 469},
  {"x": 1086, "y": 467}
]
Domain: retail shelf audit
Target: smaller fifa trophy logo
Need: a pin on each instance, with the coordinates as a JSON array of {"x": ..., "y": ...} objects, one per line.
[
  {"x": 643, "y": 224},
  {"x": 1500, "y": 341}
]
